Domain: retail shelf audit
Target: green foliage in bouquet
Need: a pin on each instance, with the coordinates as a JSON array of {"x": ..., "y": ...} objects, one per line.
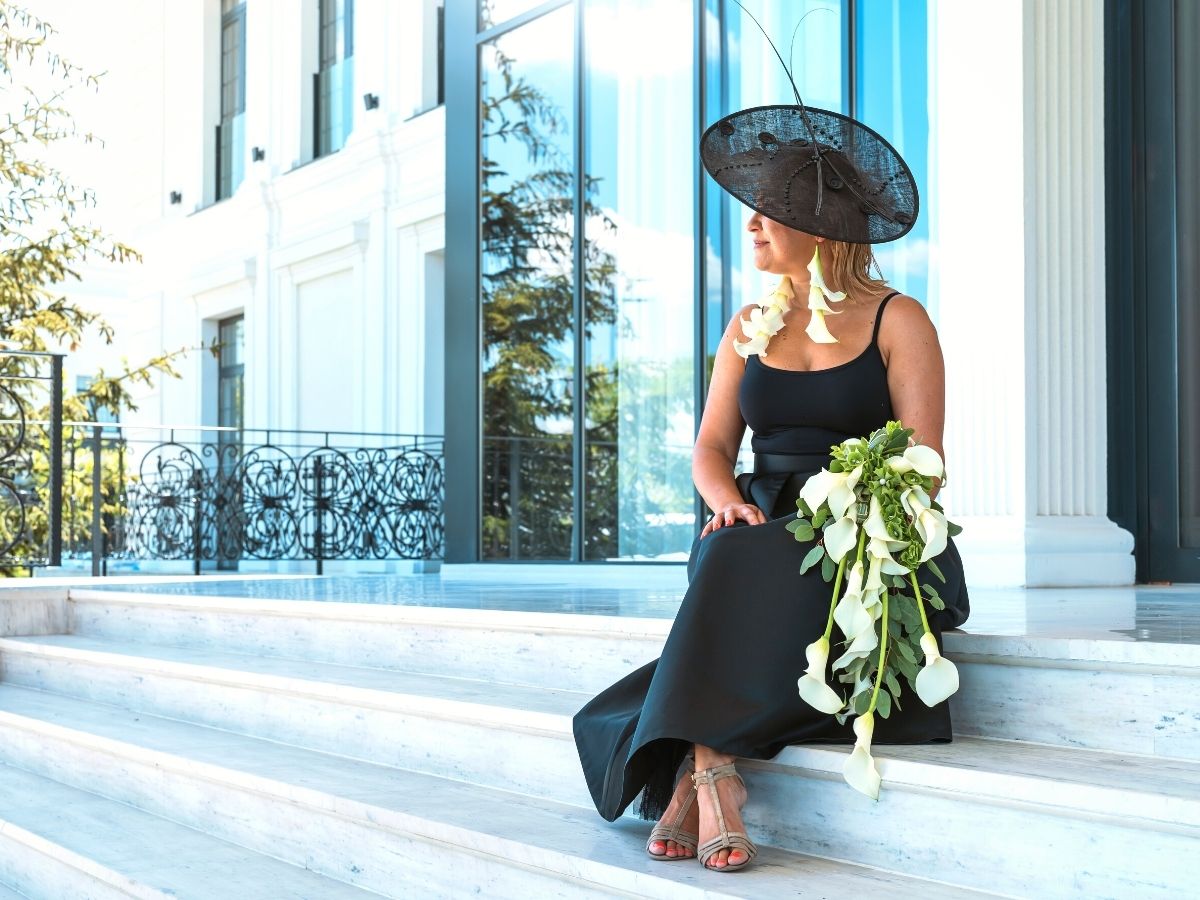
[{"x": 877, "y": 526}]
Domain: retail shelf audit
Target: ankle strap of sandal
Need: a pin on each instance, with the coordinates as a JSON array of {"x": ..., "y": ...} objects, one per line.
[{"x": 715, "y": 774}]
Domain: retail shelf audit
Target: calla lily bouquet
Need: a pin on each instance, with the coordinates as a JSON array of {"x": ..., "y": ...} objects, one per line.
[{"x": 878, "y": 526}]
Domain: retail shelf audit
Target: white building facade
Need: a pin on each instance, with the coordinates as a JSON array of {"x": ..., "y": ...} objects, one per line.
[{"x": 360, "y": 274}]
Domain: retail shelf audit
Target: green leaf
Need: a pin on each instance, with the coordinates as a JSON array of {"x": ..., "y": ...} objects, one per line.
[
  {"x": 892, "y": 682},
  {"x": 953, "y": 530},
  {"x": 894, "y": 611},
  {"x": 908, "y": 669},
  {"x": 906, "y": 651},
  {"x": 812, "y": 558},
  {"x": 828, "y": 569},
  {"x": 935, "y": 601},
  {"x": 803, "y": 507},
  {"x": 820, "y": 516},
  {"x": 803, "y": 530},
  {"x": 883, "y": 704},
  {"x": 933, "y": 567},
  {"x": 861, "y": 702}
]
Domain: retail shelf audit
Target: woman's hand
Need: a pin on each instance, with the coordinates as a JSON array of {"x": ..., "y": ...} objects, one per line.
[{"x": 732, "y": 512}]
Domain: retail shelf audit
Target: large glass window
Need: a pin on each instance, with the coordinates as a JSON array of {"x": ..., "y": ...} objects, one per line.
[
  {"x": 641, "y": 311},
  {"x": 231, "y": 373},
  {"x": 334, "y": 81},
  {"x": 892, "y": 90},
  {"x": 527, "y": 290},
  {"x": 231, "y": 132}
]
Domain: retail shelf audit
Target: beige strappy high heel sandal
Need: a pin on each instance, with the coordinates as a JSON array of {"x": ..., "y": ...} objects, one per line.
[
  {"x": 726, "y": 840},
  {"x": 674, "y": 831}
]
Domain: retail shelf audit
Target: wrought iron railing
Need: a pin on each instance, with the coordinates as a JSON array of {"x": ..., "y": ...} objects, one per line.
[
  {"x": 221, "y": 495},
  {"x": 31, "y": 475}
]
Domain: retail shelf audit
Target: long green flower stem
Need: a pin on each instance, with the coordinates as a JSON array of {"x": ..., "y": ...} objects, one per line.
[
  {"x": 912, "y": 576},
  {"x": 837, "y": 586},
  {"x": 882, "y": 654}
]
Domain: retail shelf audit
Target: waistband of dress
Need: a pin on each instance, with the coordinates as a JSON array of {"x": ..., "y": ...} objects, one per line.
[{"x": 789, "y": 462}]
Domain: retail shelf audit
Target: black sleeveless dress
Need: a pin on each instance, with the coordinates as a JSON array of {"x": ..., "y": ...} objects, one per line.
[{"x": 727, "y": 675}]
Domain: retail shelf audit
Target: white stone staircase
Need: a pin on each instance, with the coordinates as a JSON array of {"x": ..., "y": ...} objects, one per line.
[{"x": 190, "y": 746}]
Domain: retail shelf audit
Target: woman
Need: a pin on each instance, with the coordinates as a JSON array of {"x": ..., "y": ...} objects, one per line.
[{"x": 823, "y": 188}]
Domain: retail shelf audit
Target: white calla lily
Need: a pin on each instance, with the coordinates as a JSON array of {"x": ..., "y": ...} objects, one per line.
[
  {"x": 881, "y": 551},
  {"x": 841, "y": 491},
  {"x": 766, "y": 321},
  {"x": 925, "y": 460},
  {"x": 818, "y": 330},
  {"x": 938, "y": 678},
  {"x": 849, "y": 614},
  {"x": 915, "y": 501},
  {"x": 840, "y": 538},
  {"x": 877, "y": 529},
  {"x": 931, "y": 526},
  {"x": 866, "y": 640},
  {"x": 818, "y": 293},
  {"x": 899, "y": 464},
  {"x": 859, "y": 769},
  {"x": 812, "y": 686},
  {"x": 816, "y": 489}
]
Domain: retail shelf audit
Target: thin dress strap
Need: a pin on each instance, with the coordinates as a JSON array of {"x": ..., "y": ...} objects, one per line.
[{"x": 879, "y": 316}]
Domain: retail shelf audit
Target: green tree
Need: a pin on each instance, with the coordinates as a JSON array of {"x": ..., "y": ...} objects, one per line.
[{"x": 43, "y": 243}]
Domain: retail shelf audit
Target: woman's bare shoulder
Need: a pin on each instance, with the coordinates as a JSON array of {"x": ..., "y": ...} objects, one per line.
[{"x": 905, "y": 316}]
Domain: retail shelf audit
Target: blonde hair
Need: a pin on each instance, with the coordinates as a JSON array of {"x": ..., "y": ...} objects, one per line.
[{"x": 847, "y": 267}]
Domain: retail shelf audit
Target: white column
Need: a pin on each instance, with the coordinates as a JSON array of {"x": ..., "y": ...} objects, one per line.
[
  {"x": 1018, "y": 224},
  {"x": 1069, "y": 537}
]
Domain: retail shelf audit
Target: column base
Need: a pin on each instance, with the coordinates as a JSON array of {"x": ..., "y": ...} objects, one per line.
[{"x": 1046, "y": 551}]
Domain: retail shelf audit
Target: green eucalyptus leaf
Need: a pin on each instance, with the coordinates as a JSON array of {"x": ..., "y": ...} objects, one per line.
[
  {"x": 892, "y": 682},
  {"x": 933, "y": 567},
  {"x": 861, "y": 702},
  {"x": 820, "y": 516},
  {"x": 935, "y": 601},
  {"x": 883, "y": 704},
  {"x": 953, "y": 530},
  {"x": 803, "y": 531},
  {"x": 828, "y": 568},
  {"x": 906, "y": 651},
  {"x": 812, "y": 558},
  {"x": 803, "y": 508}
]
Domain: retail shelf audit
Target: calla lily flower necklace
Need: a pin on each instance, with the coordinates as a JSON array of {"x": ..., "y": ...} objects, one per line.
[{"x": 767, "y": 320}]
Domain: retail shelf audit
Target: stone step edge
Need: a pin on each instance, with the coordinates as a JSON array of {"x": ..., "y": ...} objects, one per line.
[
  {"x": 607, "y": 876},
  {"x": 1054, "y": 652},
  {"x": 59, "y": 855},
  {"x": 996, "y": 787},
  {"x": 448, "y": 616}
]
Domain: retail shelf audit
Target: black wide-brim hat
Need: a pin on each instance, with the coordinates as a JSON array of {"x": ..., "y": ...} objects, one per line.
[{"x": 813, "y": 170}]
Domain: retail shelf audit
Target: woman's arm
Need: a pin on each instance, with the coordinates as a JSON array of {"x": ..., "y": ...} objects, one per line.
[
  {"x": 916, "y": 372},
  {"x": 721, "y": 431}
]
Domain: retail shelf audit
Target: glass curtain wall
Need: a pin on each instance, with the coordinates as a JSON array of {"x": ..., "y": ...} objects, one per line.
[
  {"x": 892, "y": 87},
  {"x": 587, "y": 369},
  {"x": 527, "y": 289},
  {"x": 589, "y": 117}
]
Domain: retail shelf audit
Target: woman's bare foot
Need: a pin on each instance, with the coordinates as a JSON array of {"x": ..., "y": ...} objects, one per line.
[
  {"x": 671, "y": 849},
  {"x": 732, "y": 795}
]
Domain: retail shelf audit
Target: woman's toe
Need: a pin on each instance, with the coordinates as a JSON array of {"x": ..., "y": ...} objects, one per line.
[{"x": 658, "y": 848}]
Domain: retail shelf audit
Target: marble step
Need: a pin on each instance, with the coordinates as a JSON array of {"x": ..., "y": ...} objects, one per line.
[
  {"x": 1119, "y": 695},
  {"x": 58, "y": 841},
  {"x": 1054, "y": 805},
  {"x": 399, "y": 833}
]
